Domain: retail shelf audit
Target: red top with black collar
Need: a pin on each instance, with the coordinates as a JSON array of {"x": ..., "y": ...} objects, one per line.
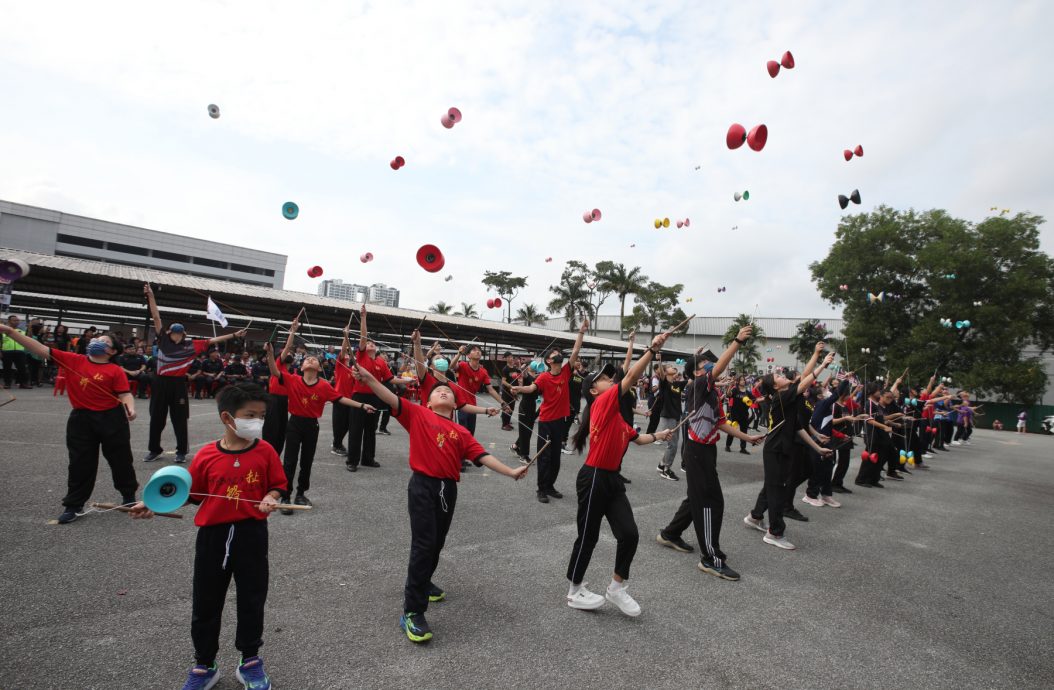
[
  {"x": 556, "y": 395},
  {"x": 307, "y": 400},
  {"x": 609, "y": 435},
  {"x": 437, "y": 444},
  {"x": 472, "y": 380},
  {"x": 91, "y": 386},
  {"x": 376, "y": 366},
  {"x": 241, "y": 477}
]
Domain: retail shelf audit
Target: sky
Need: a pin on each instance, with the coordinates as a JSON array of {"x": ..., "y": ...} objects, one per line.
[{"x": 567, "y": 106}]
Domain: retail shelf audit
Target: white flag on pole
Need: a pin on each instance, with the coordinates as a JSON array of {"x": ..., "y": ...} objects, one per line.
[{"x": 214, "y": 314}]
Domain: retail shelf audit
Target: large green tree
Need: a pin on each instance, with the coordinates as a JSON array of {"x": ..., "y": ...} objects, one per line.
[
  {"x": 656, "y": 308},
  {"x": 571, "y": 297},
  {"x": 507, "y": 286},
  {"x": 807, "y": 334},
  {"x": 748, "y": 355},
  {"x": 928, "y": 266},
  {"x": 531, "y": 315},
  {"x": 623, "y": 282}
]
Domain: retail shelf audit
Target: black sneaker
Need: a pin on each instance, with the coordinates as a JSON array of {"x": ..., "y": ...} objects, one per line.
[
  {"x": 69, "y": 515},
  {"x": 667, "y": 473},
  {"x": 285, "y": 511},
  {"x": 859, "y": 483},
  {"x": 905, "y": 470},
  {"x": 743, "y": 451},
  {"x": 435, "y": 594},
  {"x": 675, "y": 543},
  {"x": 153, "y": 457},
  {"x": 839, "y": 489},
  {"x": 724, "y": 572},
  {"x": 553, "y": 493},
  {"x": 384, "y": 431},
  {"x": 339, "y": 450},
  {"x": 542, "y": 497},
  {"x": 795, "y": 514},
  {"x": 302, "y": 500},
  {"x": 350, "y": 467},
  {"x": 371, "y": 463},
  {"x": 181, "y": 458},
  {"x": 894, "y": 476},
  {"x": 876, "y": 485}
]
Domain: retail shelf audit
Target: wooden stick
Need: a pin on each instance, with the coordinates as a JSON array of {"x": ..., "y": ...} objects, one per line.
[
  {"x": 774, "y": 428},
  {"x": 292, "y": 506},
  {"x": 680, "y": 325},
  {"x": 540, "y": 451},
  {"x": 128, "y": 509}
]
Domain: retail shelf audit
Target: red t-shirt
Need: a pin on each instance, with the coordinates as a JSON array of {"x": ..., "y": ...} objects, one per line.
[
  {"x": 275, "y": 387},
  {"x": 343, "y": 380},
  {"x": 305, "y": 400},
  {"x": 927, "y": 410},
  {"x": 91, "y": 386},
  {"x": 213, "y": 471},
  {"x": 376, "y": 366},
  {"x": 437, "y": 445},
  {"x": 556, "y": 395},
  {"x": 471, "y": 380},
  {"x": 609, "y": 435}
]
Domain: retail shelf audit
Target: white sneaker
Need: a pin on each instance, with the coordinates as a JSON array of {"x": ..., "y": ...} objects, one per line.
[
  {"x": 927, "y": 455},
  {"x": 621, "y": 598},
  {"x": 585, "y": 600},
  {"x": 957, "y": 443},
  {"x": 566, "y": 451},
  {"x": 829, "y": 501},
  {"x": 778, "y": 541},
  {"x": 759, "y": 525},
  {"x": 812, "y": 501},
  {"x": 967, "y": 443}
]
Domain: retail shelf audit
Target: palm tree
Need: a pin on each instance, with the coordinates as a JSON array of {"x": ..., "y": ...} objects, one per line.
[
  {"x": 530, "y": 315},
  {"x": 468, "y": 311},
  {"x": 440, "y": 308},
  {"x": 572, "y": 299},
  {"x": 749, "y": 354},
  {"x": 623, "y": 283},
  {"x": 804, "y": 340}
]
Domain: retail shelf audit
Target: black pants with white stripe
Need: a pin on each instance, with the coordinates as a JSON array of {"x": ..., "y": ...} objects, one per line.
[
  {"x": 301, "y": 440},
  {"x": 601, "y": 494},
  {"x": 236, "y": 550},
  {"x": 430, "y": 502},
  {"x": 705, "y": 504}
]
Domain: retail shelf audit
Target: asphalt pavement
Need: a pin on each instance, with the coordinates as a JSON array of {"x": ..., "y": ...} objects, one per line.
[{"x": 940, "y": 581}]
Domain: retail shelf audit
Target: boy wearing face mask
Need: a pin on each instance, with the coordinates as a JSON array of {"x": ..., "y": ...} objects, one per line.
[
  {"x": 102, "y": 407},
  {"x": 232, "y": 534}
]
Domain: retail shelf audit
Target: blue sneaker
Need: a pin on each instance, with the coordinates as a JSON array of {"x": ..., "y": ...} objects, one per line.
[
  {"x": 251, "y": 674},
  {"x": 416, "y": 627},
  {"x": 202, "y": 677}
]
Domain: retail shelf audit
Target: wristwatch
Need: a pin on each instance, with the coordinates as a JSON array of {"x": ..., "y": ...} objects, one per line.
[{"x": 741, "y": 342}]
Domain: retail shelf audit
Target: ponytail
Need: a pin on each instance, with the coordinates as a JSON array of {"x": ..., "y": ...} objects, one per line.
[{"x": 578, "y": 441}]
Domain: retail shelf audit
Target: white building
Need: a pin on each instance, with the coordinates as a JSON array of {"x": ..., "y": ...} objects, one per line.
[
  {"x": 33, "y": 229},
  {"x": 378, "y": 293}
]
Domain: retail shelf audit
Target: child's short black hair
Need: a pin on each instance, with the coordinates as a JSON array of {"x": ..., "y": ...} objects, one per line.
[{"x": 234, "y": 397}]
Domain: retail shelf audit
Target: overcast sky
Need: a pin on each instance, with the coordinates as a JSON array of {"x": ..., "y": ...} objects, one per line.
[{"x": 567, "y": 106}]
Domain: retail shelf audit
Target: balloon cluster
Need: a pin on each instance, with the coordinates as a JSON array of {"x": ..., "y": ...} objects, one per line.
[
  {"x": 844, "y": 200},
  {"x": 397, "y": 162},
  {"x": 755, "y": 139},
  {"x": 787, "y": 61},
  {"x": 745, "y": 196},
  {"x": 590, "y": 216},
  {"x": 858, "y": 152},
  {"x": 451, "y": 118}
]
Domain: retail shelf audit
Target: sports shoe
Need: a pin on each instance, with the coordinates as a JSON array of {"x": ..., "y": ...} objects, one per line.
[
  {"x": 744, "y": 451},
  {"x": 384, "y": 431},
  {"x": 371, "y": 463},
  {"x": 302, "y": 500},
  {"x": 675, "y": 543},
  {"x": 543, "y": 497},
  {"x": 812, "y": 501},
  {"x": 671, "y": 475},
  {"x": 723, "y": 571},
  {"x": 251, "y": 674},
  {"x": 927, "y": 455},
  {"x": 957, "y": 443},
  {"x": 584, "y": 599},
  {"x": 416, "y": 627},
  {"x": 435, "y": 594},
  {"x": 839, "y": 489},
  {"x": 779, "y": 541},
  {"x": 152, "y": 457},
  {"x": 350, "y": 467},
  {"x": 181, "y": 458},
  {"x": 339, "y": 450},
  {"x": 506, "y": 427},
  {"x": 621, "y": 598},
  {"x": 829, "y": 501},
  {"x": 70, "y": 514},
  {"x": 894, "y": 475},
  {"x": 553, "y": 493},
  {"x": 565, "y": 451},
  {"x": 202, "y": 677},
  {"x": 285, "y": 511},
  {"x": 795, "y": 514},
  {"x": 759, "y": 525}
]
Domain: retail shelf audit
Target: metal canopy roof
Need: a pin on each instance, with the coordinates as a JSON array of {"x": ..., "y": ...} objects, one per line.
[{"x": 100, "y": 290}]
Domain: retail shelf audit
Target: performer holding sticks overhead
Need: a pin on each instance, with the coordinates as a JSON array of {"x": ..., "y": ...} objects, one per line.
[
  {"x": 705, "y": 503},
  {"x": 362, "y": 435},
  {"x": 102, "y": 407},
  {"x": 601, "y": 493},
  {"x": 437, "y": 447},
  {"x": 168, "y": 389},
  {"x": 555, "y": 387},
  {"x": 785, "y": 395}
]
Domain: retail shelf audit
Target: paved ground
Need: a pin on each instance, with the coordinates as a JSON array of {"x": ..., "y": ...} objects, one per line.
[{"x": 939, "y": 581}]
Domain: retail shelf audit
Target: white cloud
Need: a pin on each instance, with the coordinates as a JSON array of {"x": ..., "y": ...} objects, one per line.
[{"x": 568, "y": 106}]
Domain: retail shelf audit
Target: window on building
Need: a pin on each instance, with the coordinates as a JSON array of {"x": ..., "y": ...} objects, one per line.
[
  {"x": 242, "y": 268},
  {"x": 209, "y": 262},
  {"x": 127, "y": 249},
  {"x": 80, "y": 241},
  {"x": 169, "y": 256}
]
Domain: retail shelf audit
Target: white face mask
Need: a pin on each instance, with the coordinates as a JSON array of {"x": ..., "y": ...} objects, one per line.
[{"x": 249, "y": 429}]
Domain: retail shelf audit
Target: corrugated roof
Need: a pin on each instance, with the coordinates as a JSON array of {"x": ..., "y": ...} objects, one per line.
[{"x": 715, "y": 326}]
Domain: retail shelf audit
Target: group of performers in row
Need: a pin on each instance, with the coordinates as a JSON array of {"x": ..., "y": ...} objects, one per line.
[{"x": 240, "y": 479}]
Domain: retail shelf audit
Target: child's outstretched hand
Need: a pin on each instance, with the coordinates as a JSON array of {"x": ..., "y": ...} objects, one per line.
[
  {"x": 268, "y": 504},
  {"x": 140, "y": 512},
  {"x": 519, "y": 473}
]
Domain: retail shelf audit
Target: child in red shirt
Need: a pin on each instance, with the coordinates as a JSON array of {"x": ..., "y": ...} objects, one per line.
[
  {"x": 362, "y": 431},
  {"x": 102, "y": 407},
  {"x": 232, "y": 539},
  {"x": 437, "y": 447},
  {"x": 601, "y": 493}
]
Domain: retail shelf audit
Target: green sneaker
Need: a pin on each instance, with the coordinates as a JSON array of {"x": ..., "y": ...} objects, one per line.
[
  {"x": 435, "y": 594},
  {"x": 416, "y": 627}
]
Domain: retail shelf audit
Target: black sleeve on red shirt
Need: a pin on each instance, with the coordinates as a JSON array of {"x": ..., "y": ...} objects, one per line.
[
  {"x": 398, "y": 409},
  {"x": 478, "y": 461}
]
